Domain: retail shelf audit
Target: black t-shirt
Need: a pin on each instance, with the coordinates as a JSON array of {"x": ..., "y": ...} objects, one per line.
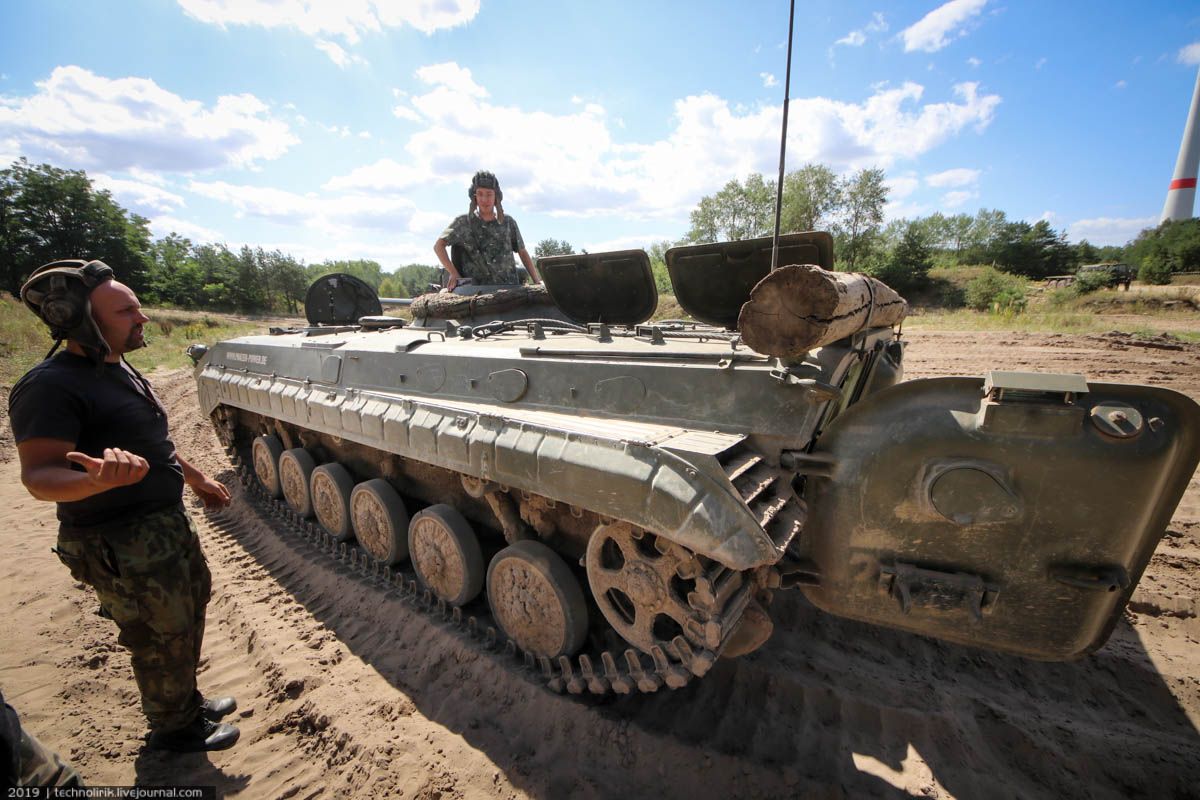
[{"x": 64, "y": 398}]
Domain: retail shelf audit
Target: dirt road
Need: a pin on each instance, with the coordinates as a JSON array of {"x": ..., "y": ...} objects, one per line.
[{"x": 345, "y": 693}]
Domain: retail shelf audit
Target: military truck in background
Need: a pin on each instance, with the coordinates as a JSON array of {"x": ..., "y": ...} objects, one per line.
[
  {"x": 616, "y": 501},
  {"x": 1114, "y": 275}
]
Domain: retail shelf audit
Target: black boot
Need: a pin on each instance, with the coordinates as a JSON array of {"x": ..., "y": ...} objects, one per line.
[
  {"x": 214, "y": 708},
  {"x": 200, "y": 735}
]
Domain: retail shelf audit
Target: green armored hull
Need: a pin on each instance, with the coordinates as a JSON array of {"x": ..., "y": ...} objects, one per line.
[{"x": 621, "y": 499}]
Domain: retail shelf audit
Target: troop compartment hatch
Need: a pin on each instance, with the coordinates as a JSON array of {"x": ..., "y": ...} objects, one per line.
[
  {"x": 713, "y": 281},
  {"x": 616, "y": 287}
]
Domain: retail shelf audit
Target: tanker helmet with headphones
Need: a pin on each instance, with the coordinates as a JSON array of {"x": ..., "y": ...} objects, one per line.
[
  {"x": 485, "y": 180},
  {"x": 58, "y": 293}
]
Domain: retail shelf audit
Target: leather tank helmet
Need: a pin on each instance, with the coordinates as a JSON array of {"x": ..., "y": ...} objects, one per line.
[
  {"x": 58, "y": 293},
  {"x": 486, "y": 180}
]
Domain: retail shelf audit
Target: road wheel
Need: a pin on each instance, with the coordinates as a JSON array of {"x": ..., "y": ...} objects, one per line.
[
  {"x": 380, "y": 520},
  {"x": 330, "y": 487},
  {"x": 265, "y": 454},
  {"x": 446, "y": 554},
  {"x": 536, "y": 600},
  {"x": 295, "y": 471}
]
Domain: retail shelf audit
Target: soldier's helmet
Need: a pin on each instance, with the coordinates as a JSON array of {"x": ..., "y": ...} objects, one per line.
[
  {"x": 58, "y": 293},
  {"x": 485, "y": 180}
]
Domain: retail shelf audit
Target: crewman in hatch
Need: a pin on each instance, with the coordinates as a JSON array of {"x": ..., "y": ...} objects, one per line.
[{"x": 484, "y": 239}]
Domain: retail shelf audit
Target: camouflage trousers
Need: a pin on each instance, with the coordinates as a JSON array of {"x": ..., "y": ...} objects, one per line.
[
  {"x": 152, "y": 580},
  {"x": 41, "y": 766}
]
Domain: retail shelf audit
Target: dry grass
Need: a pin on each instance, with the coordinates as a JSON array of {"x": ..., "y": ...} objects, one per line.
[{"x": 24, "y": 340}]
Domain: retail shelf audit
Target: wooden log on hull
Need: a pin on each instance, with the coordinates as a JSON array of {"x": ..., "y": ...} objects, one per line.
[
  {"x": 799, "y": 307},
  {"x": 453, "y": 306}
]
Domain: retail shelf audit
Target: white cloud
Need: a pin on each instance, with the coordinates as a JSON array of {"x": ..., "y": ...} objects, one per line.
[
  {"x": 337, "y": 214},
  {"x": 10, "y": 150},
  {"x": 277, "y": 205},
  {"x": 383, "y": 177},
  {"x": 953, "y": 177},
  {"x": 137, "y": 195},
  {"x": 934, "y": 31},
  {"x": 453, "y": 77},
  {"x": 858, "y": 38},
  {"x": 643, "y": 241},
  {"x": 347, "y": 19},
  {"x": 1109, "y": 230},
  {"x": 902, "y": 186},
  {"x": 404, "y": 112},
  {"x": 957, "y": 199},
  {"x": 575, "y": 163},
  {"x": 973, "y": 62},
  {"x": 80, "y": 119},
  {"x": 1041, "y": 62},
  {"x": 337, "y": 54},
  {"x": 768, "y": 79},
  {"x": 1189, "y": 54},
  {"x": 165, "y": 225},
  {"x": 581, "y": 168},
  {"x": 152, "y": 178},
  {"x": 1120, "y": 84},
  {"x": 428, "y": 225}
]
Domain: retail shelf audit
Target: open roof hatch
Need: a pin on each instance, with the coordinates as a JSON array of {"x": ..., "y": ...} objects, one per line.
[
  {"x": 616, "y": 288},
  {"x": 340, "y": 299},
  {"x": 712, "y": 281}
]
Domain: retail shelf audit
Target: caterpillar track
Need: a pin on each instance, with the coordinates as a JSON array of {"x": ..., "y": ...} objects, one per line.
[{"x": 599, "y": 673}]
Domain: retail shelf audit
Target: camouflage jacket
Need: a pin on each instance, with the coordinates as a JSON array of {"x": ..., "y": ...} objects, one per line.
[{"x": 484, "y": 250}]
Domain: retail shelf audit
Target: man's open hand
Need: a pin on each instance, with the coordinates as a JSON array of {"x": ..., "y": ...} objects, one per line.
[
  {"x": 117, "y": 468},
  {"x": 213, "y": 494}
]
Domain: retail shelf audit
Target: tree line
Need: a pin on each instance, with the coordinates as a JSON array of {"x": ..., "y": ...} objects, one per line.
[{"x": 48, "y": 213}]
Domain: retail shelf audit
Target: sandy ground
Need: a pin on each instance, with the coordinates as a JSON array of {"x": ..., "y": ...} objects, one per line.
[{"x": 347, "y": 693}]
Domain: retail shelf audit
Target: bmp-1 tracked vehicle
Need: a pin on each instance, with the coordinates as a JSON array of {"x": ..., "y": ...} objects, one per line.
[{"x": 618, "y": 501}]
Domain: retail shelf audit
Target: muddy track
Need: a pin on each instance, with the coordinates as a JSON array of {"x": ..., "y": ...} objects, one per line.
[{"x": 348, "y": 690}]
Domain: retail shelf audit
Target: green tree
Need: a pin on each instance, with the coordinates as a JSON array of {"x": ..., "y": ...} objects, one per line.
[
  {"x": 287, "y": 278},
  {"x": 985, "y": 228},
  {"x": 811, "y": 196},
  {"x": 738, "y": 211},
  {"x": 864, "y": 195},
  {"x": 173, "y": 277},
  {"x": 1086, "y": 253},
  {"x": 368, "y": 271},
  {"x": 219, "y": 271},
  {"x": 412, "y": 280},
  {"x": 658, "y": 267},
  {"x": 47, "y": 213},
  {"x": 958, "y": 235},
  {"x": 906, "y": 268},
  {"x": 1035, "y": 251},
  {"x": 552, "y": 247}
]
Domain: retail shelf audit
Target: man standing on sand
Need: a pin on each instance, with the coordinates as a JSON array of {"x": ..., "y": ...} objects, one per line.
[
  {"x": 487, "y": 237},
  {"x": 92, "y": 437}
]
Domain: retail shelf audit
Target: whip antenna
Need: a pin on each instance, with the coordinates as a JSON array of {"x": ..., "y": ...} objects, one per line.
[{"x": 787, "y": 90}]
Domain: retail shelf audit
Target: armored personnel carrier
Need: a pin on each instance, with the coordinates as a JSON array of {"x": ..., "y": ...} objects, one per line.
[{"x": 616, "y": 502}]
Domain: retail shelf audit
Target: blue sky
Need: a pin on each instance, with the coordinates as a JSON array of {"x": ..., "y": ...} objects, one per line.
[{"x": 350, "y": 129}]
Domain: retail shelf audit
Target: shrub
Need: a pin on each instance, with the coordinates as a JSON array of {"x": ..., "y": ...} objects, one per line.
[
  {"x": 1155, "y": 271},
  {"x": 1088, "y": 282},
  {"x": 997, "y": 291}
]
